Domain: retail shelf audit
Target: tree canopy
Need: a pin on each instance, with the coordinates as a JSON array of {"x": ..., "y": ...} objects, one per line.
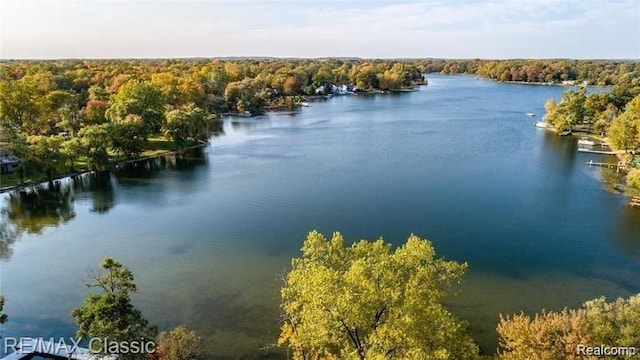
[
  {"x": 178, "y": 344},
  {"x": 557, "y": 335},
  {"x": 367, "y": 301},
  {"x": 110, "y": 313}
]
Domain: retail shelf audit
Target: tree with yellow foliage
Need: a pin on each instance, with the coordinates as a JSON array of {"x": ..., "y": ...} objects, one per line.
[{"x": 368, "y": 301}]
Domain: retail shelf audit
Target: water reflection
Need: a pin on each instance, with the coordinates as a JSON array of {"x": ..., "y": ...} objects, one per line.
[
  {"x": 628, "y": 231},
  {"x": 217, "y": 128},
  {"x": 135, "y": 173},
  {"x": 98, "y": 186},
  {"x": 9, "y": 233},
  {"x": 36, "y": 208},
  {"x": 31, "y": 210},
  {"x": 561, "y": 151},
  {"x": 612, "y": 180}
]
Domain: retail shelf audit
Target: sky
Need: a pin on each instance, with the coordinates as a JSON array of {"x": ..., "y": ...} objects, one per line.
[{"x": 493, "y": 29}]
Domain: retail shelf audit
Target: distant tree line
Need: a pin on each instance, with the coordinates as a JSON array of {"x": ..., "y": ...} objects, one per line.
[
  {"x": 591, "y": 72},
  {"x": 65, "y": 115},
  {"x": 57, "y": 116}
]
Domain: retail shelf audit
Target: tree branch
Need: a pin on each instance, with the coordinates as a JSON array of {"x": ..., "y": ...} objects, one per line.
[{"x": 378, "y": 317}]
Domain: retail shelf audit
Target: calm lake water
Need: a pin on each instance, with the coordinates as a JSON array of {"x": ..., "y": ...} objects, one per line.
[{"x": 207, "y": 237}]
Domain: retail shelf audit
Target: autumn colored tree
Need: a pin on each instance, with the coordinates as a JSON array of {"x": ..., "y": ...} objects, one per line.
[
  {"x": 178, "y": 344},
  {"x": 291, "y": 86},
  {"x": 546, "y": 336},
  {"x": 557, "y": 335},
  {"x": 94, "y": 112},
  {"x": 624, "y": 132},
  {"x": 368, "y": 301}
]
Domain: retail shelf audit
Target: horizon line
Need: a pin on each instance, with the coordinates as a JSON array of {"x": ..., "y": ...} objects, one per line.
[{"x": 258, "y": 57}]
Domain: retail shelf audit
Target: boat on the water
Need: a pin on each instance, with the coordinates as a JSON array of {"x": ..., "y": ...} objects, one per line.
[
  {"x": 531, "y": 114},
  {"x": 541, "y": 125},
  {"x": 586, "y": 142}
]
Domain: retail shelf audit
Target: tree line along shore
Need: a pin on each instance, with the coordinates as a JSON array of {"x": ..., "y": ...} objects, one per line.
[
  {"x": 66, "y": 116},
  {"x": 612, "y": 117}
]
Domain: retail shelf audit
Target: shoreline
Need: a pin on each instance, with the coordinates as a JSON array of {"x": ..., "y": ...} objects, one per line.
[{"x": 34, "y": 183}]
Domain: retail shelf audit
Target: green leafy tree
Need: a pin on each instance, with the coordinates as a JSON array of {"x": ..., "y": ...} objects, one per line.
[
  {"x": 178, "y": 127},
  {"x": 366, "y": 301},
  {"x": 177, "y": 344},
  {"x": 574, "y": 101},
  {"x": 202, "y": 122},
  {"x": 142, "y": 99},
  {"x": 21, "y": 106},
  {"x": 46, "y": 155},
  {"x": 187, "y": 122},
  {"x": 94, "y": 143},
  {"x": 366, "y": 77},
  {"x": 624, "y": 132},
  {"x": 552, "y": 115},
  {"x": 110, "y": 313},
  {"x": 622, "y": 94},
  {"x": 569, "y": 112},
  {"x": 617, "y": 322},
  {"x": 98, "y": 93},
  {"x": 633, "y": 182},
  {"x": 245, "y": 95},
  {"x": 129, "y": 135},
  {"x": 72, "y": 149}
]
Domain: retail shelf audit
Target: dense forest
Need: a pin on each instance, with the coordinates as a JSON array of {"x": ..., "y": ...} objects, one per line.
[
  {"x": 64, "y": 116},
  {"x": 554, "y": 71}
]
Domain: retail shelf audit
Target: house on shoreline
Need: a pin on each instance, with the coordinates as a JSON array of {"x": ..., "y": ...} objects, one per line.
[{"x": 8, "y": 163}]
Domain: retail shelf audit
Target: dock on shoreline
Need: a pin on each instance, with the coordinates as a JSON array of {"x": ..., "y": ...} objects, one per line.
[{"x": 603, "y": 152}]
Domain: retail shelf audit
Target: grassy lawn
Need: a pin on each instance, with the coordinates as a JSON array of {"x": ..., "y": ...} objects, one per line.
[
  {"x": 160, "y": 143},
  {"x": 9, "y": 179}
]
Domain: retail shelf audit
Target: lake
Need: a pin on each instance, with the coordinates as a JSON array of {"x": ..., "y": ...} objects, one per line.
[{"x": 209, "y": 236}]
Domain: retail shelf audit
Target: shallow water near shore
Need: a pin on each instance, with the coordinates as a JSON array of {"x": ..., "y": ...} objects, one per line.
[{"x": 209, "y": 236}]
